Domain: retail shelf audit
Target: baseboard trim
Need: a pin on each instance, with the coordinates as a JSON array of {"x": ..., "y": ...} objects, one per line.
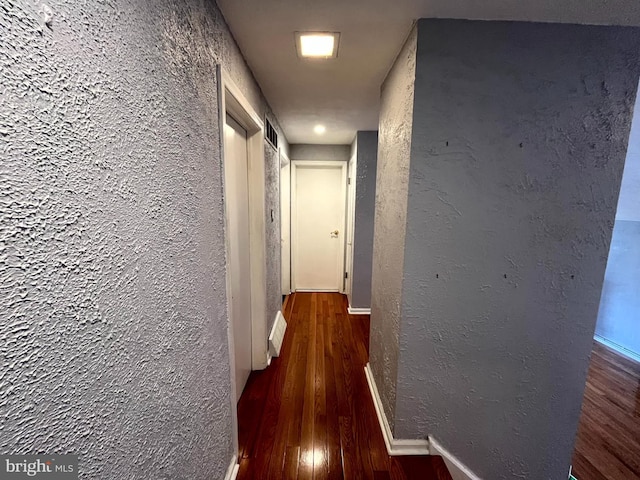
[
  {"x": 456, "y": 468},
  {"x": 395, "y": 446},
  {"x": 614, "y": 346},
  {"x": 316, "y": 290},
  {"x": 358, "y": 311},
  {"x": 232, "y": 471}
]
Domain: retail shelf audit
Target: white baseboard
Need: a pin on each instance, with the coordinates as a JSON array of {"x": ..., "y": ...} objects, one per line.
[
  {"x": 232, "y": 471},
  {"x": 317, "y": 290},
  {"x": 358, "y": 311},
  {"x": 456, "y": 468},
  {"x": 621, "y": 350},
  {"x": 394, "y": 446}
]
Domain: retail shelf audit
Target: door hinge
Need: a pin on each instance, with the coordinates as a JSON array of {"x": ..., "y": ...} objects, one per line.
[
  {"x": 346, "y": 274},
  {"x": 349, "y": 181}
]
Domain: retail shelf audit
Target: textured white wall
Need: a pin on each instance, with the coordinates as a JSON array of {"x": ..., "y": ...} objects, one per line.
[
  {"x": 392, "y": 177},
  {"x": 519, "y": 138},
  {"x": 113, "y": 330}
]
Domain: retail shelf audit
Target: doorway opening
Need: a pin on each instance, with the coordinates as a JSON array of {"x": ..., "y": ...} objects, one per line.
[
  {"x": 607, "y": 442},
  {"x": 318, "y": 210},
  {"x": 618, "y": 324}
]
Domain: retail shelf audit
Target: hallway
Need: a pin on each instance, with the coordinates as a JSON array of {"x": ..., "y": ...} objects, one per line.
[{"x": 310, "y": 415}]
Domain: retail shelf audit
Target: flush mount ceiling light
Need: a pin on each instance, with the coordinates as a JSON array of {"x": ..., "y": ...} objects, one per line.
[
  {"x": 317, "y": 44},
  {"x": 319, "y": 129}
]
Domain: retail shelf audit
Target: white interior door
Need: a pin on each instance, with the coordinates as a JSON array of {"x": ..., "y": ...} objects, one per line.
[
  {"x": 285, "y": 223},
  {"x": 237, "y": 208},
  {"x": 318, "y": 222}
]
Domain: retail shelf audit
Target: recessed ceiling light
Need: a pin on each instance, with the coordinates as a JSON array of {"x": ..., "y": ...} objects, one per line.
[
  {"x": 319, "y": 129},
  {"x": 317, "y": 44}
]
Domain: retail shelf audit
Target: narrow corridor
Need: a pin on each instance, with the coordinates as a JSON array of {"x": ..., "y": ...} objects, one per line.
[{"x": 310, "y": 414}]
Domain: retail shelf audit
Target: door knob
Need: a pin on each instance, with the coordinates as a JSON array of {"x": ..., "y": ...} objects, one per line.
[{"x": 335, "y": 232}]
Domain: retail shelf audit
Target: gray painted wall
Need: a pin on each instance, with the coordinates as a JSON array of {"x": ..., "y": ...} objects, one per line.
[
  {"x": 367, "y": 155},
  {"x": 273, "y": 243},
  {"x": 518, "y": 146},
  {"x": 113, "y": 331},
  {"x": 303, "y": 151},
  {"x": 619, "y": 314},
  {"x": 394, "y": 148}
]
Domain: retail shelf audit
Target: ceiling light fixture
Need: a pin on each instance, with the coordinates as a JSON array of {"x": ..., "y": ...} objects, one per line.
[
  {"x": 319, "y": 129},
  {"x": 317, "y": 44}
]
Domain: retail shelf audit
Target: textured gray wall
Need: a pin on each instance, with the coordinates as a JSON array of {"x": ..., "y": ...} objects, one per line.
[
  {"x": 618, "y": 319},
  {"x": 394, "y": 149},
  {"x": 304, "y": 151},
  {"x": 367, "y": 152},
  {"x": 519, "y": 139},
  {"x": 272, "y": 222},
  {"x": 113, "y": 331}
]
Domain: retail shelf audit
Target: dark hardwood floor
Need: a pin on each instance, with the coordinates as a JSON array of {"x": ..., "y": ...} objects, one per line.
[
  {"x": 310, "y": 415},
  {"x": 608, "y": 442}
]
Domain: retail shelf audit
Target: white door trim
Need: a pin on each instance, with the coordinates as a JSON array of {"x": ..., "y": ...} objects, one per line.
[
  {"x": 295, "y": 164},
  {"x": 351, "y": 221},
  {"x": 232, "y": 101},
  {"x": 285, "y": 206}
]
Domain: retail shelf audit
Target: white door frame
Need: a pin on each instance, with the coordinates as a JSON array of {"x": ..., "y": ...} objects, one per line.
[
  {"x": 295, "y": 164},
  {"x": 285, "y": 206},
  {"x": 233, "y": 102},
  {"x": 351, "y": 222}
]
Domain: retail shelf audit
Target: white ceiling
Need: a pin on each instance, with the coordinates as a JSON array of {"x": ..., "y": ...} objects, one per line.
[{"x": 343, "y": 93}]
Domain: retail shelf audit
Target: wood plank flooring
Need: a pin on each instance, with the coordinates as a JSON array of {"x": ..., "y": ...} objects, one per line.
[
  {"x": 608, "y": 441},
  {"x": 310, "y": 415}
]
